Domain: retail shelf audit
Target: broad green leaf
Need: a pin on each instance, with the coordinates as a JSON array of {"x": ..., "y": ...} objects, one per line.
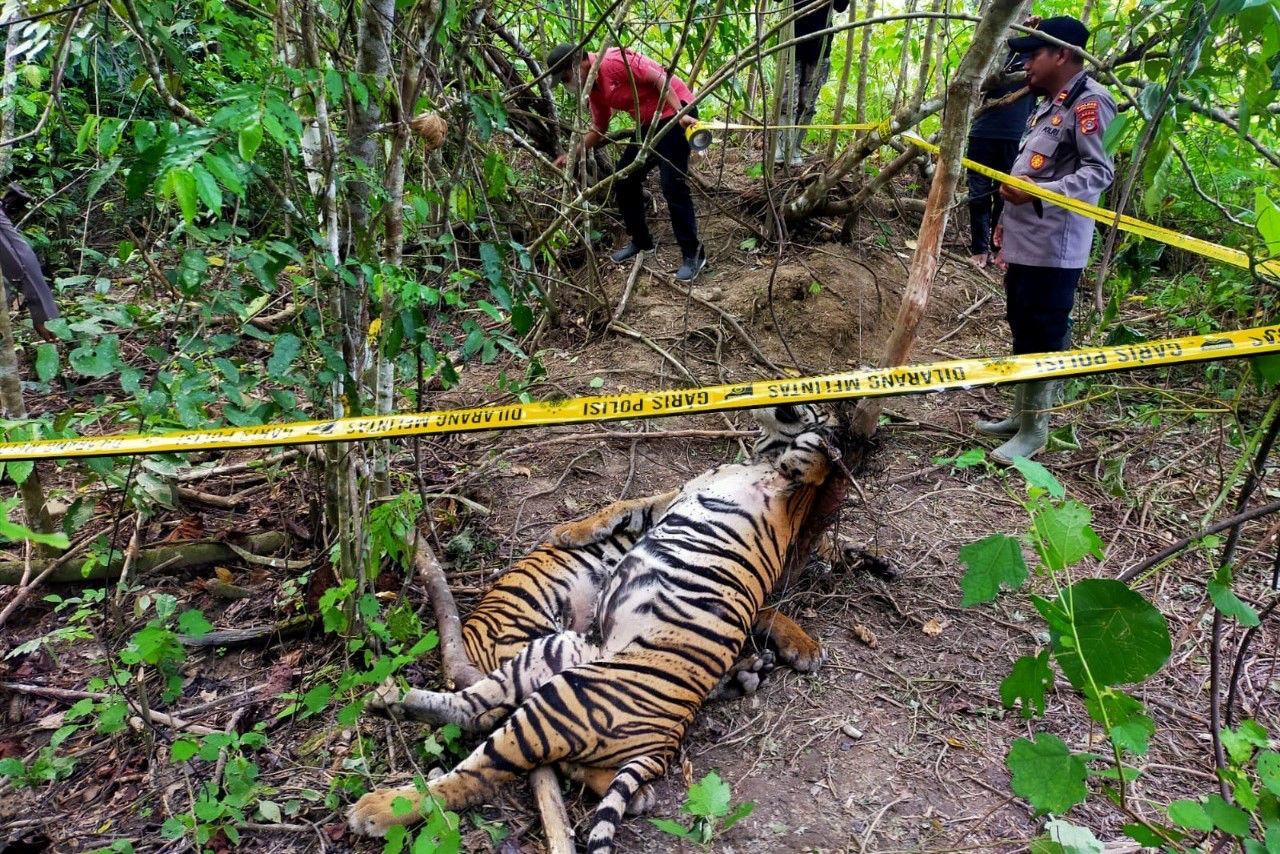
[
  {"x": 287, "y": 348},
  {"x": 1190, "y": 814},
  {"x": 46, "y": 362},
  {"x": 100, "y": 177},
  {"x": 993, "y": 561},
  {"x": 20, "y": 470},
  {"x": 318, "y": 697},
  {"x": 1027, "y": 683},
  {"x": 193, "y": 624},
  {"x": 1064, "y": 535},
  {"x": 1039, "y": 476},
  {"x": 709, "y": 797},
  {"x": 1268, "y": 368},
  {"x": 1073, "y": 838},
  {"x": 521, "y": 318},
  {"x": 1104, "y": 624},
  {"x": 1115, "y": 130},
  {"x": 738, "y": 813},
  {"x": 249, "y": 140},
  {"x": 1047, "y": 774},
  {"x": 1269, "y": 770},
  {"x": 270, "y": 811},
  {"x": 1268, "y": 221},
  {"x": 207, "y": 188},
  {"x": 1228, "y": 819},
  {"x": 1144, "y": 835},
  {"x": 16, "y": 531},
  {"x": 97, "y": 360},
  {"x": 183, "y": 184},
  {"x": 1242, "y": 741},
  {"x": 182, "y": 750},
  {"x": 1226, "y": 601}
]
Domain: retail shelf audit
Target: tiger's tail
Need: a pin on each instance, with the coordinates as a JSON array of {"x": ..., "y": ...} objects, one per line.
[{"x": 633, "y": 775}]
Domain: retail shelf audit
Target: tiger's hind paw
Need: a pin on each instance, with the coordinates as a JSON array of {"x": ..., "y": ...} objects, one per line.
[
  {"x": 744, "y": 676},
  {"x": 373, "y": 815},
  {"x": 643, "y": 801}
]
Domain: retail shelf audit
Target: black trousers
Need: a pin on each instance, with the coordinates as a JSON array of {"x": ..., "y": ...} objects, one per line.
[
  {"x": 985, "y": 203},
  {"x": 1038, "y": 306},
  {"x": 671, "y": 155},
  {"x": 21, "y": 267}
]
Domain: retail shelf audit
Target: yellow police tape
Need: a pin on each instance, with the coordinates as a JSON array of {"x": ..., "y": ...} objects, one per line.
[
  {"x": 699, "y": 136},
  {"x": 1125, "y": 223},
  {"x": 881, "y": 382}
]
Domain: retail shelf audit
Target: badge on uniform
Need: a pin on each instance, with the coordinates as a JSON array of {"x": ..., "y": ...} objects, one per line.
[
  {"x": 1037, "y": 160},
  {"x": 1056, "y": 120},
  {"x": 1087, "y": 116},
  {"x": 1062, "y": 97}
]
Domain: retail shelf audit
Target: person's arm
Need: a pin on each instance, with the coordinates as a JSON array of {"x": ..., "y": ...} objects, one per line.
[{"x": 600, "y": 116}]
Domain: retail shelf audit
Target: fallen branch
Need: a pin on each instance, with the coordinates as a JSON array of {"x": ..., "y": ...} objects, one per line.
[
  {"x": 67, "y": 695},
  {"x": 459, "y": 670},
  {"x": 180, "y": 555}
]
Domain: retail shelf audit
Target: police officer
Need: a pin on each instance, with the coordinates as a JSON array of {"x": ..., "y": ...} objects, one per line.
[
  {"x": 993, "y": 141},
  {"x": 1045, "y": 246},
  {"x": 812, "y": 67}
]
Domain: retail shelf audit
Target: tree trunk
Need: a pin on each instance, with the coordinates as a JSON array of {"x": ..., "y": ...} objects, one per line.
[{"x": 961, "y": 97}]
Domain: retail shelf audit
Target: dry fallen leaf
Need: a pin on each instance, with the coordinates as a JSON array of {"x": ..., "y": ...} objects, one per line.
[
  {"x": 956, "y": 743},
  {"x": 686, "y": 771},
  {"x": 224, "y": 574},
  {"x": 910, "y": 244},
  {"x": 934, "y": 627},
  {"x": 865, "y": 635},
  {"x": 521, "y": 470}
]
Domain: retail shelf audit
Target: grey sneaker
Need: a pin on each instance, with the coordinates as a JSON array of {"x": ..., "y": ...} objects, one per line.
[
  {"x": 691, "y": 267},
  {"x": 628, "y": 252}
]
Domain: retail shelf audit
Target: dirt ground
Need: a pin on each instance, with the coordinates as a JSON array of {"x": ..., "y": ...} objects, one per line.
[{"x": 896, "y": 744}]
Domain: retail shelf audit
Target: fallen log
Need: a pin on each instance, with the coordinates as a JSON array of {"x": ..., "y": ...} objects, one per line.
[{"x": 176, "y": 556}]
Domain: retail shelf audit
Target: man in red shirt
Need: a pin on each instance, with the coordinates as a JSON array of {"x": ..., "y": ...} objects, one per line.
[{"x": 630, "y": 83}]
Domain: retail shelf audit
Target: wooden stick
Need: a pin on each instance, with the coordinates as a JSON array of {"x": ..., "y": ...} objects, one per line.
[
  {"x": 459, "y": 670},
  {"x": 631, "y": 282}
]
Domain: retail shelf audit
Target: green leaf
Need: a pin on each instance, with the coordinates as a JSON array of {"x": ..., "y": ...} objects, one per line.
[
  {"x": 709, "y": 797},
  {"x": 1227, "y": 602},
  {"x": 207, "y": 188},
  {"x": 1267, "y": 221},
  {"x": 1104, "y": 624},
  {"x": 20, "y": 470},
  {"x": 1269, "y": 770},
  {"x": 249, "y": 140},
  {"x": 1240, "y": 743},
  {"x": 1115, "y": 129},
  {"x": 46, "y": 362},
  {"x": 993, "y": 561},
  {"x": 1228, "y": 819},
  {"x": 193, "y": 624},
  {"x": 11, "y": 767},
  {"x": 16, "y": 531},
  {"x": 1038, "y": 476},
  {"x": 1064, "y": 535},
  {"x": 1027, "y": 683},
  {"x": 675, "y": 829},
  {"x": 318, "y": 697},
  {"x": 270, "y": 811},
  {"x": 737, "y": 814},
  {"x": 287, "y": 347},
  {"x": 1047, "y": 774},
  {"x": 1122, "y": 715},
  {"x": 492, "y": 261},
  {"x": 183, "y": 185},
  {"x": 1267, "y": 368},
  {"x": 182, "y": 750},
  {"x": 1144, "y": 835},
  {"x": 521, "y": 318},
  {"x": 1190, "y": 814},
  {"x": 1072, "y": 838},
  {"x": 97, "y": 360}
]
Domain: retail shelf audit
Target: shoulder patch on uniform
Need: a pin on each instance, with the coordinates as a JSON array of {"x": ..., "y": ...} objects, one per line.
[
  {"x": 1087, "y": 116},
  {"x": 1037, "y": 160}
]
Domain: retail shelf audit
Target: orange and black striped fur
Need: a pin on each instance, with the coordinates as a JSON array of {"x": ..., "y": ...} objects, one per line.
[{"x": 672, "y": 617}]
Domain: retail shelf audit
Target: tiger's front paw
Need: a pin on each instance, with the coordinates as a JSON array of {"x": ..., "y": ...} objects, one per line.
[
  {"x": 373, "y": 815},
  {"x": 387, "y": 700},
  {"x": 744, "y": 677},
  {"x": 802, "y": 654},
  {"x": 583, "y": 532}
]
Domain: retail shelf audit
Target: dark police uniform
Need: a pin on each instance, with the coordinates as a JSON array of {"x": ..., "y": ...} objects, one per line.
[
  {"x": 993, "y": 141},
  {"x": 20, "y": 266},
  {"x": 1046, "y": 246}
]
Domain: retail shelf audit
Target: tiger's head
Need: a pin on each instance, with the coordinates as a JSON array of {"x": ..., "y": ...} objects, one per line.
[{"x": 782, "y": 424}]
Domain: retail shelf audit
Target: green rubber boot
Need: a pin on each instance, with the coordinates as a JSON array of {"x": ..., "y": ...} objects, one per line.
[
  {"x": 1004, "y": 427},
  {"x": 1033, "y": 427}
]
